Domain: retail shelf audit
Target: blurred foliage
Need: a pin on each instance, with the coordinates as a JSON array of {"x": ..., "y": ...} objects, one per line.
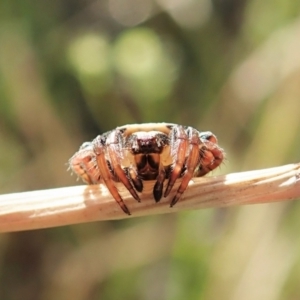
[{"x": 70, "y": 70}]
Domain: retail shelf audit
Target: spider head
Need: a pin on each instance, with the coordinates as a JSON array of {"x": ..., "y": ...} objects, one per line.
[{"x": 147, "y": 142}]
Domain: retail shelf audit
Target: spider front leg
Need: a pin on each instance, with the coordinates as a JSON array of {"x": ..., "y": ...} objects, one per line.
[
  {"x": 115, "y": 147},
  {"x": 179, "y": 148},
  {"x": 107, "y": 175},
  {"x": 191, "y": 164}
]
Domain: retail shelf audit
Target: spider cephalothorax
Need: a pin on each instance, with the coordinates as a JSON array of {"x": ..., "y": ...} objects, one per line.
[{"x": 152, "y": 151}]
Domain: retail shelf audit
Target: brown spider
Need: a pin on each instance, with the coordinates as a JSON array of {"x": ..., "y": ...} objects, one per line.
[{"x": 151, "y": 151}]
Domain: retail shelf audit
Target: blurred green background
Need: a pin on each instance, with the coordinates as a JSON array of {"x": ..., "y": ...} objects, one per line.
[{"x": 70, "y": 70}]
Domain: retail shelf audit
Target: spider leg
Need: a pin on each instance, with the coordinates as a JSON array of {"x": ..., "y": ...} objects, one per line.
[
  {"x": 107, "y": 176},
  {"x": 179, "y": 147},
  {"x": 114, "y": 150},
  {"x": 191, "y": 164},
  {"x": 84, "y": 164}
]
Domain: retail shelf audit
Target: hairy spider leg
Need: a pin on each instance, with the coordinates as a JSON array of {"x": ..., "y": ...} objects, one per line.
[
  {"x": 114, "y": 144},
  {"x": 191, "y": 164},
  {"x": 107, "y": 176},
  {"x": 179, "y": 147}
]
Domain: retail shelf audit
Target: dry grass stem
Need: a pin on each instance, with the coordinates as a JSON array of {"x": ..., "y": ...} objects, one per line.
[{"x": 78, "y": 204}]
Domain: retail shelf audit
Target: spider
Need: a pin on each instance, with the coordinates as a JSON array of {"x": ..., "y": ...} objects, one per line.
[{"x": 153, "y": 151}]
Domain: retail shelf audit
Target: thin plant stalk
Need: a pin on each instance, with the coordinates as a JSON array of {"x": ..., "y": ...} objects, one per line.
[{"x": 88, "y": 203}]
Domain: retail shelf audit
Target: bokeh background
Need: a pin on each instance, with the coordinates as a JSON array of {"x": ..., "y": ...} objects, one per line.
[{"x": 70, "y": 70}]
